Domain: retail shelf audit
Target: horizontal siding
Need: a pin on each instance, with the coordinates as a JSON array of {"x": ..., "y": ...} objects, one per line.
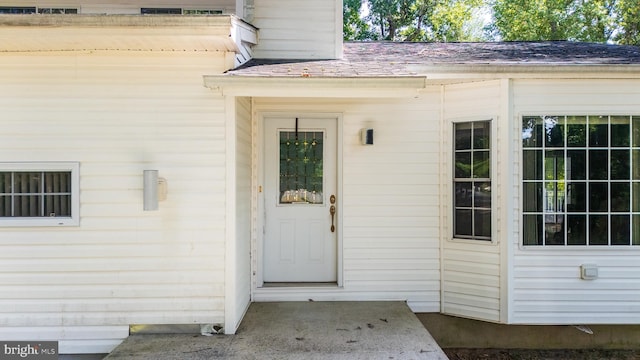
[
  {"x": 389, "y": 203},
  {"x": 116, "y": 116},
  {"x": 291, "y": 29},
  {"x": 547, "y": 288},
  {"x": 117, "y": 7},
  {"x": 471, "y": 269}
]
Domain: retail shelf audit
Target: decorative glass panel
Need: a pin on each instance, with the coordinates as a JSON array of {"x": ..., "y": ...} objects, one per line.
[{"x": 301, "y": 173}]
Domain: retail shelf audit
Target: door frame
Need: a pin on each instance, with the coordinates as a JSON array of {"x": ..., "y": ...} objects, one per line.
[{"x": 257, "y": 243}]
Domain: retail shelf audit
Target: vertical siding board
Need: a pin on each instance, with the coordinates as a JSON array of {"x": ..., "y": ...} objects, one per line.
[
  {"x": 121, "y": 265},
  {"x": 547, "y": 288}
]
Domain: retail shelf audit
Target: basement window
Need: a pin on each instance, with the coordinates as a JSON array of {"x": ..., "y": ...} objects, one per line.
[
  {"x": 39, "y": 194},
  {"x": 17, "y": 9},
  {"x": 581, "y": 180},
  {"x": 57, "y": 11},
  {"x": 161, "y": 11}
]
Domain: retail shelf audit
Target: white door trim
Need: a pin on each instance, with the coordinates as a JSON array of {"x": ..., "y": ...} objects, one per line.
[{"x": 259, "y": 208}]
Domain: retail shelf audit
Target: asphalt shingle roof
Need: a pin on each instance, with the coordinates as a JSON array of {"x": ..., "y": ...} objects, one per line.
[{"x": 370, "y": 59}]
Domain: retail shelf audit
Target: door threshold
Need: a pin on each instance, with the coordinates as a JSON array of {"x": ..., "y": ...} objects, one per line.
[{"x": 298, "y": 284}]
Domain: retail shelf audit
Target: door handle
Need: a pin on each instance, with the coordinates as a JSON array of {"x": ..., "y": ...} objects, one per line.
[{"x": 332, "y": 211}]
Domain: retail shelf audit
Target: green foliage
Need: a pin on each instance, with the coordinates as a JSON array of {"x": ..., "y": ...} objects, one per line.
[
  {"x": 513, "y": 20},
  {"x": 629, "y": 21},
  {"x": 578, "y": 20}
]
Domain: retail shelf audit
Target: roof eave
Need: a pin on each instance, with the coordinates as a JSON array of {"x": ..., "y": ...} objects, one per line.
[{"x": 287, "y": 86}]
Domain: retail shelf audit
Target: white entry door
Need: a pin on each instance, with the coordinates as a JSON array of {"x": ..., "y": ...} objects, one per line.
[{"x": 300, "y": 242}]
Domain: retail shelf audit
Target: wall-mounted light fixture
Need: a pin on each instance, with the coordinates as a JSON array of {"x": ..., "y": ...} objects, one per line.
[
  {"x": 366, "y": 136},
  {"x": 154, "y": 189}
]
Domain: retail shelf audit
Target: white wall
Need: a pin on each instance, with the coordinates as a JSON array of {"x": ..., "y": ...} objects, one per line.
[
  {"x": 116, "y": 114},
  {"x": 292, "y": 29},
  {"x": 390, "y": 218},
  {"x": 471, "y": 268},
  {"x": 547, "y": 288}
]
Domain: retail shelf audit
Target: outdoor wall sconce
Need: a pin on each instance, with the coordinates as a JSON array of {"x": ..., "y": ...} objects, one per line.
[
  {"x": 366, "y": 136},
  {"x": 154, "y": 189}
]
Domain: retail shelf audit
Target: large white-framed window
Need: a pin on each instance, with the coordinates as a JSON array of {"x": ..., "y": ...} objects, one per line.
[
  {"x": 472, "y": 180},
  {"x": 581, "y": 180},
  {"x": 40, "y": 194}
]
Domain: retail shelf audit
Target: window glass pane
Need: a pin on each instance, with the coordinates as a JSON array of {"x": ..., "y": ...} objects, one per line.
[
  {"x": 598, "y": 131},
  {"x": 5, "y": 183},
  {"x": 576, "y": 131},
  {"x": 27, "y": 182},
  {"x": 554, "y": 196},
  {"x": 463, "y": 195},
  {"x": 635, "y": 165},
  {"x": 482, "y": 223},
  {"x": 636, "y": 230},
  {"x": 554, "y": 131},
  {"x": 635, "y": 199},
  {"x": 482, "y": 195},
  {"x": 620, "y": 226},
  {"x": 598, "y": 197},
  {"x": 463, "y": 165},
  {"x": 554, "y": 229},
  {"x": 576, "y": 230},
  {"x": 481, "y": 135},
  {"x": 301, "y": 172},
  {"x": 463, "y": 221},
  {"x": 27, "y": 206},
  {"x": 576, "y": 165},
  {"x": 57, "y": 205},
  {"x": 161, "y": 11},
  {"x": 57, "y": 182},
  {"x": 532, "y": 197},
  {"x": 576, "y": 197},
  {"x": 532, "y": 230},
  {"x": 554, "y": 165},
  {"x": 620, "y": 196},
  {"x": 620, "y": 162},
  {"x": 463, "y": 136},
  {"x": 636, "y": 130},
  {"x": 481, "y": 164},
  {"x": 532, "y": 132},
  {"x": 532, "y": 164},
  {"x": 620, "y": 131},
  {"x": 5, "y": 206},
  {"x": 598, "y": 165},
  {"x": 598, "y": 230}
]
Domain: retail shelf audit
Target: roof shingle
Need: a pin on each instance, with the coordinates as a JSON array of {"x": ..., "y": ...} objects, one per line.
[{"x": 372, "y": 59}]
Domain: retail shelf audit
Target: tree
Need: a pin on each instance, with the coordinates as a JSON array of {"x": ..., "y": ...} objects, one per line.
[
  {"x": 354, "y": 27},
  {"x": 581, "y": 20},
  {"x": 629, "y": 21},
  {"x": 390, "y": 16}
]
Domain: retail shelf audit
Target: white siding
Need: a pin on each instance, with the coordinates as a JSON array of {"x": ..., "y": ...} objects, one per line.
[
  {"x": 116, "y": 114},
  {"x": 547, "y": 288},
  {"x": 125, "y": 7},
  {"x": 243, "y": 206},
  {"x": 293, "y": 29},
  {"x": 390, "y": 218},
  {"x": 470, "y": 268}
]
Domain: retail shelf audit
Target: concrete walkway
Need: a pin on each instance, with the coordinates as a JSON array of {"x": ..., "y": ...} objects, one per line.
[{"x": 300, "y": 330}]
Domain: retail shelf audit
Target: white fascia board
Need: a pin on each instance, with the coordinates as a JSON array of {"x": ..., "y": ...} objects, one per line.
[
  {"x": 325, "y": 87},
  {"x": 486, "y": 71}
]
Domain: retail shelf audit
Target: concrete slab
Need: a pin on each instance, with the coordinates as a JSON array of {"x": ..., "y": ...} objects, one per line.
[{"x": 300, "y": 330}]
